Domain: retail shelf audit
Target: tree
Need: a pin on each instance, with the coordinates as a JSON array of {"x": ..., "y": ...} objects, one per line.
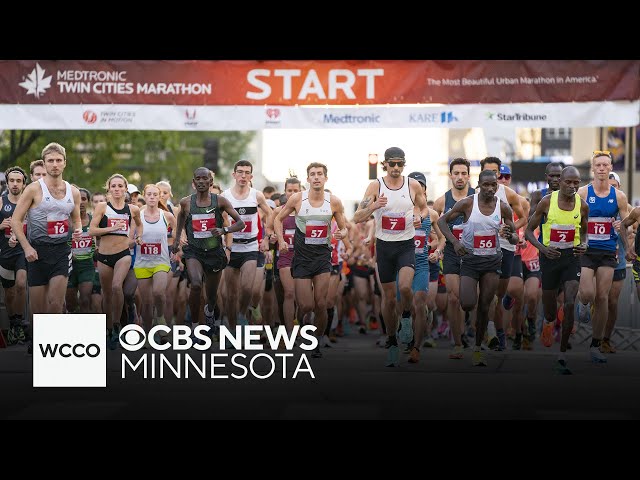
[{"x": 141, "y": 156}]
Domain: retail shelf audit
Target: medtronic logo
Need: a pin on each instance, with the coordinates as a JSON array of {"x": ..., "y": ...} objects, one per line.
[
  {"x": 69, "y": 350},
  {"x": 347, "y": 118}
]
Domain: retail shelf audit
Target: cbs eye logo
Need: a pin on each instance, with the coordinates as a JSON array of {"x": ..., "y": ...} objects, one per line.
[{"x": 132, "y": 337}]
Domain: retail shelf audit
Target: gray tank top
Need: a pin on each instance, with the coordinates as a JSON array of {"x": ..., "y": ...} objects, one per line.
[{"x": 49, "y": 222}]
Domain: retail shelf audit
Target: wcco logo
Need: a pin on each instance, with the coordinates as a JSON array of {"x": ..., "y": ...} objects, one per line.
[
  {"x": 69, "y": 350},
  {"x": 65, "y": 350}
]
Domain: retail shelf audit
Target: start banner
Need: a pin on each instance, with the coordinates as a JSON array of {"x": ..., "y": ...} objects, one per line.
[{"x": 295, "y": 83}]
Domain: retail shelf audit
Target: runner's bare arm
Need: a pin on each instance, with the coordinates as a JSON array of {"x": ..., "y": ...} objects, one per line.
[
  {"x": 507, "y": 219},
  {"x": 542, "y": 209},
  {"x": 622, "y": 208},
  {"x": 338, "y": 214},
  {"x": 75, "y": 214},
  {"x": 368, "y": 204},
  {"x": 535, "y": 199},
  {"x": 135, "y": 214},
  {"x": 436, "y": 228},
  {"x": 185, "y": 206},
  {"x": 290, "y": 207},
  {"x": 226, "y": 207},
  {"x": 22, "y": 207},
  {"x": 419, "y": 200},
  {"x": 460, "y": 209},
  {"x": 515, "y": 202}
]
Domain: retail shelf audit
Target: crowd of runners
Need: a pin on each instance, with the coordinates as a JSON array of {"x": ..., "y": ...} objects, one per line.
[{"x": 484, "y": 267}]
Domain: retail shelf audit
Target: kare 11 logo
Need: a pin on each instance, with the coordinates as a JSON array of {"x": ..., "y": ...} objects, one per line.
[{"x": 69, "y": 350}]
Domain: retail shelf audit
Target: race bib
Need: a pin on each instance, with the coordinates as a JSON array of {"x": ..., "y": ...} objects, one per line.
[
  {"x": 202, "y": 224},
  {"x": 562, "y": 236},
  {"x": 57, "y": 226},
  {"x": 248, "y": 226},
  {"x": 599, "y": 228},
  {"x": 419, "y": 240},
  {"x": 150, "y": 249},
  {"x": 484, "y": 243},
  {"x": 457, "y": 232},
  {"x": 114, "y": 218},
  {"x": 288, "y": 237},
  {"x": 393, "y": 223},
  {"x": 533, "y": 265},
  {"x": 8, "y": 232},
  {"x": 82, "y": 246},
  {"x": 316, "y": 232}
]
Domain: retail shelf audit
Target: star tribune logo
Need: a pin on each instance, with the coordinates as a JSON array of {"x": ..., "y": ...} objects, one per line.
[{"x": 36, "y": 83}]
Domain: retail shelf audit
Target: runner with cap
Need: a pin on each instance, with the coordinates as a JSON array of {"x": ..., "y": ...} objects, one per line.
[
  {"x": 396, "y": 202},
  {"x": 420, "y": 285}
]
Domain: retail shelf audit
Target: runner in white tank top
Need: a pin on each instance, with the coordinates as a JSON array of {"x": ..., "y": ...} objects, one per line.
[
  {"x": 396, "y": 201},
  {"x": 49, "y": 258},
  {"x": 520, "y": 207},
  {"x": 311, "y": 266},
  {"x": 152, "y": 257},
  {"x": 480, "y": 250},
  {"x": 243, "y": 260}
]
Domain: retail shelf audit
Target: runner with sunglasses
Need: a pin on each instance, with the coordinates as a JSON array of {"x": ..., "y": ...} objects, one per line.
[{"x": 396, "y": 202}]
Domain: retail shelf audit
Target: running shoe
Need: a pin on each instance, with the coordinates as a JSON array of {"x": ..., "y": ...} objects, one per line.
[
  {"x": 457, "y": 353},
  {"x": 596, "y": 355},
  {"x": 479, "y": 359},
  {"x": 414, "y": 356},
  {"x": 561, "y": 368},
  {"x": 583, "y": 312},
  {"x": 393, "y": 354},
  {"x": 405, "y": 333},
  {"x": 547, "y": 334}
]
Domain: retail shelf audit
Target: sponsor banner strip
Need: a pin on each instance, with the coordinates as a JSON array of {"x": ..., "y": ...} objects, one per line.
[
  {"x": 290, "y": 83},
  {"x": 221, "y": 118}
]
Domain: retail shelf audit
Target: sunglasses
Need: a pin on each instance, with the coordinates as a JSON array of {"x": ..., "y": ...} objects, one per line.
[
  {"x": 505, "y": 176},
  {"x": 399, "y": 163},
  {"x": 599, "y": 153}
]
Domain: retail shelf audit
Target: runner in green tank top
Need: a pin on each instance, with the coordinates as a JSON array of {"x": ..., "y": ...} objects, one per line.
[{"x": 201, "y": 213}]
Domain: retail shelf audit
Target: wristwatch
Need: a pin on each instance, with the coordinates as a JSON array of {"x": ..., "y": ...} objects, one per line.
[{"x": 225, "y": 230}]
